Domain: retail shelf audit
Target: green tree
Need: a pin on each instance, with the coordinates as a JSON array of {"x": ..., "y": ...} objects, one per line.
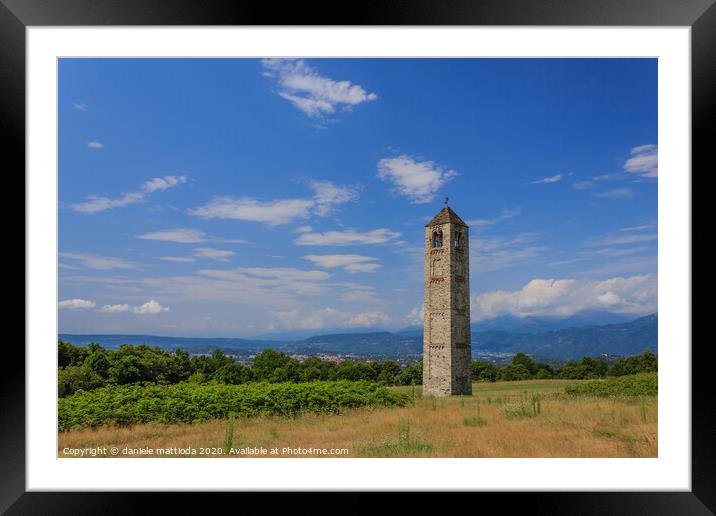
[
  {"x": 124, "y": 368},
  {"x": 71, "y": 379},
  {"x": 585, "y": 369},
  {"x": 411, "y": 374},
  {"x": 353, "y": 370},
  {"x": 233, "y": 374},
  {"x": 68, "y": 354},
  {"x": 513, "y": 372},
  {"x": 389, "y": 372},
  {"x": 313, "y": 368},
  {"x": 526, "y": 362},
  {"x": 647, "y": 362},
  {"x": 98, "y": 361},
  {"x": 275, "y": 366},
  {"x": 483, "y": 371},
  {"x": 544, "y": 371}
]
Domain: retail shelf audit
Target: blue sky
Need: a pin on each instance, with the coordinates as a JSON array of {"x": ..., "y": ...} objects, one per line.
[{"x": 236, "y": 197}]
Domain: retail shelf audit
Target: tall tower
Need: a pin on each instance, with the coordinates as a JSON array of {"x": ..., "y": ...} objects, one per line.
[{"x": 447, "y": 357}]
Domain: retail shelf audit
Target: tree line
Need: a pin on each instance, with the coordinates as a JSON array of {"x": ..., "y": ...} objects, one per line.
[
  {"x": 524, "y": 367},
  {"x": 92, "y": 366}
]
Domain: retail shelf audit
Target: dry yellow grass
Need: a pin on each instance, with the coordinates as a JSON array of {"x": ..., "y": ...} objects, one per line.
[{"x": 564, "y": 427}]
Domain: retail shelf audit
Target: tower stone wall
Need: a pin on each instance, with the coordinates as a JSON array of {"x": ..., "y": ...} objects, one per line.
[{"x": 446, "y": 337}]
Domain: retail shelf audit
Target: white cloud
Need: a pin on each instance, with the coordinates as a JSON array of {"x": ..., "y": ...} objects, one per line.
[
  {"x": 183, "y": 236},
  {"x": 493, "y": 253},
  {"x": 349, "y": 262},
  {"x": 268, "y": 287},
  {"x": 274, "y": 288},
  {"x": 162, "y": 183},
  {"x": 623, "y": 243},
  {"x": 96, "y": 204},
  {"x": 219, "y": 255},
  {"x": 630, "y": 236},
  {"x": 316, "y": 319},
  {"x": 505, "y": 214},
  {"x": 80, "y": 106},
  {"x": 635, "y": 294},
  {"x": 362, "y": 267},
  {"x": 583, "y": 185},
  {"x": 416, "y": 316},
  {"x": 330, "y": 318},
  {"x": 592, "y": 182},
  {"x": 269, "y": 283},
  {"x": 631, "y": 239},
  {"x": 313, "y": 94},
  {"x": 616, "y": 193},
  {"x": 273, "y": 213},
  {"x": 361, "y": 294},
  {"x": 178, "y": 259},
  {"x": 643, "y": 227},
  {"x": 76, "y": 304},
  {"x": 626, "y": 265},
  {"x": 374, "y": 318},
  {"x": 115, "y": 309},
  {"x": 615, "y": 251},
  {"x": 347, "y": 237},
  {"x": 280, "y": 211},
  {"x": 186, "y": 236},
  {"x": 151, "y": 307},
  {"x": 417, "y": 180},
  {"x": 281, "y": 274},
  {"x": 95, "y": 145},
  {"x": 547, "y": 180},
  {"x": 644, "y": 161},
  {"x": 253, "y": 290},
  {"x": 103, "y": 263},
  {"x": 328, "y": 194}
]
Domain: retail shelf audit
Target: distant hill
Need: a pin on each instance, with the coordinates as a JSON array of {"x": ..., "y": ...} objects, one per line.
[
  {"x": 297, "y": 335},
  {"x": 514, "y": 324},
  {"x": 376, "y": 343},
  {"x": 411, "y": 330},
  {"x": 191, "y": 344},
  {"x": 616, "y": 339},
  {"x": 532, "y": 324},
  {"x": 505, "y": 335}
]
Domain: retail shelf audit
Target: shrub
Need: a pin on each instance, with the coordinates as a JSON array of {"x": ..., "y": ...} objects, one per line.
[
  {"x": 518, "y": 410},
  {"x": 188, "y": 402},
  {"x": 644, "y": 384}
]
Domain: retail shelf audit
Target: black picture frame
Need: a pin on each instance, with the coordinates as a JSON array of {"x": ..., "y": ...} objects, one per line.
[{"x": 16, "y": 15}]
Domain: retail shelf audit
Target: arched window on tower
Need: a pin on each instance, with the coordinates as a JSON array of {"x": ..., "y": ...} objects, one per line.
[
  {"x": 438, "y": 238},
  {"x": 457, "y": 242}
]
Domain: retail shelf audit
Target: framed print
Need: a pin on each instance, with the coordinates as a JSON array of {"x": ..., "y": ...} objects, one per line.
[{"x": 442, "y": 248}]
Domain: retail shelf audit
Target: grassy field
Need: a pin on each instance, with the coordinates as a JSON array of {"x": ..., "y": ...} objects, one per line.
[{"x": 504, "y": 419}]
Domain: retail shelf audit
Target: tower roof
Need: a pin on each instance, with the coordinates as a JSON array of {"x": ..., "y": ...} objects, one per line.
[{"x": 446, "y": 216}]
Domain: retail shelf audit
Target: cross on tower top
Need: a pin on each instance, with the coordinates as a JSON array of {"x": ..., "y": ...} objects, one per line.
[{"x": 446, "y": 201}]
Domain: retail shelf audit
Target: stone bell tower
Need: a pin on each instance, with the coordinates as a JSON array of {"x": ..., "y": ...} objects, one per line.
[{"x": 447, "y": 358}]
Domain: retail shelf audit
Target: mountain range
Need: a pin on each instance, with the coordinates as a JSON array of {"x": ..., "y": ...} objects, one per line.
[{"x": 583, "y": 334}]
